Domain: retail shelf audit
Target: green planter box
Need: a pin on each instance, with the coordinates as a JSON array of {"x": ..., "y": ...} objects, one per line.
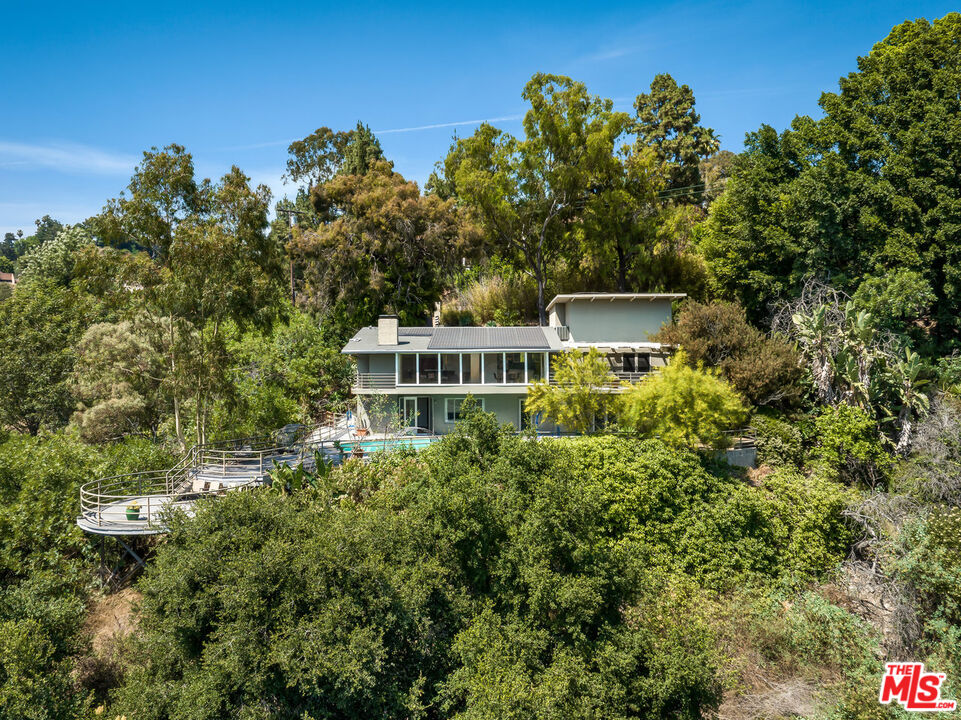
[{"x": 133, "y": 514}]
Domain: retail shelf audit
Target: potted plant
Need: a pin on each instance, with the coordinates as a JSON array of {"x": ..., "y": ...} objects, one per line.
[
  {"x": 362, "y": 431},
  {"x": 133, "y": 511}
]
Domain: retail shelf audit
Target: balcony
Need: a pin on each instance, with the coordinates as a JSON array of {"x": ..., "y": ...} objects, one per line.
[
  {"x": 375, "y": 381},
  {"x": 618, "y": 379}
]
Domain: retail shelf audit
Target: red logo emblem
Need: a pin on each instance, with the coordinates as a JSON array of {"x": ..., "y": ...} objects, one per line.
[{"x": 916, "y": 690}]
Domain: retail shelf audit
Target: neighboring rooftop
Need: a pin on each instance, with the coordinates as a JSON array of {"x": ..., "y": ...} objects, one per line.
[
  {"x": 425, "y": 339},
  {"x": 611, "y": 297},
  {"x": 8, "y": 278}
]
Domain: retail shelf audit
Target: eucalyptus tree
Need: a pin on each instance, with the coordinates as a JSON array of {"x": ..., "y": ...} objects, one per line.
[
  {"x": 162, "y": 193},
  {"x": 526, "y": 192},
  {"x": 210, "y": 264},
  {"x": 385, "y": 245}
]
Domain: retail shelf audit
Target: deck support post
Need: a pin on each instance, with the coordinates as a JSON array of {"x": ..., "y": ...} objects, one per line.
[{"x": 129, "y": 550}]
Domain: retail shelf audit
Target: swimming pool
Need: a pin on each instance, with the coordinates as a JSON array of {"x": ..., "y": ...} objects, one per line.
[{"x": 369, "y": 446}]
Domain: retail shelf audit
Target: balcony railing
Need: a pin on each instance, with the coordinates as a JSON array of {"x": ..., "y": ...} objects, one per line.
[
  {"x": 632, "y": 376},
  {"x": 618, "y": 379},
  {"x": 375, "y": 381}
]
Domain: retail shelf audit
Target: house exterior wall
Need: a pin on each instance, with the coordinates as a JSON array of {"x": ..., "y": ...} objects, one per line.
[
  {"x": 380, "y": 364},
  {"x": 505, "y": 407},
  {"x": 606, "y": 321}
]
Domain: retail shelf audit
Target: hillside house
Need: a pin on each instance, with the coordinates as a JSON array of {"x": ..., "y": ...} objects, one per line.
[{"x": 430, "y": 370}]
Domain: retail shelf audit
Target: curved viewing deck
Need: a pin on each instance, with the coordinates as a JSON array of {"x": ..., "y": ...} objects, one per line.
[{"x": 137, "y": 503}]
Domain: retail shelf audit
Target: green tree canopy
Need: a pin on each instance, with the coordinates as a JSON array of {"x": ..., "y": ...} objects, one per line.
[
  {"x": 667, "y": 122},
  {"x": 54, "y": 260},
  {"x": 871, "y": 187},
  {"x": 163, "y": 193},
  {"x": 525, "y": 192},
  {"x": 41, "y": 324},
  {"x": 389, "y": 246},
  {"x": 683, "y": 406},
  {"x": 580, "y": 396},
  {"x": 212, "y": 264},
  {"x": 765, "y": 370}
]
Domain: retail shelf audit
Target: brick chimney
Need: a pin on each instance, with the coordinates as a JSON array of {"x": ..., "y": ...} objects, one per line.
[{"x": 387, "y": 330}]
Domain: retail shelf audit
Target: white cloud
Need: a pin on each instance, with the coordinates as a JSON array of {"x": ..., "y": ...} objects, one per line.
[
  {"x": 66, "y": 157},
  {"x": 607, "y": 54},
  {"x": 455, "y": 123}
]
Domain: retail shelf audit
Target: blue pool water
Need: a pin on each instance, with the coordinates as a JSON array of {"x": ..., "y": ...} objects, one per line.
[{"x": 369, "y": 446}]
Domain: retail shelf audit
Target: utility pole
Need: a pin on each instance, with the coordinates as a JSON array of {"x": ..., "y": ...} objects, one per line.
[{"x": 292, "y": 221}]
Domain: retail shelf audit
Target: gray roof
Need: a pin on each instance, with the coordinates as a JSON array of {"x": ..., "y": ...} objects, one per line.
[
  {"x": 442, "y": 339},
  {"x": 488, "y": 338}
]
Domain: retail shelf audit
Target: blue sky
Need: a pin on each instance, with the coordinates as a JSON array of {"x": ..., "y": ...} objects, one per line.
[{"x": 85, "y": 90}]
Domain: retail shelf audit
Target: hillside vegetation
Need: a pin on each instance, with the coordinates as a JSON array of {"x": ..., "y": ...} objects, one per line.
[{"x": 626, "y": 573}]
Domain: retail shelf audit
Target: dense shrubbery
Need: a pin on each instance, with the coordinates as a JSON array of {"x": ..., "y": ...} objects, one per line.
[
  {"x": 45, "y": 566},
  {"x": 683, "y": 406},
  {"x": 780, "y": 443},
  {"x": 765, "y": 370},
  {"x": 490, "y": 576}
]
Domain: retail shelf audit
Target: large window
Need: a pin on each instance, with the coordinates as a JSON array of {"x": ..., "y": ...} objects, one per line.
[
  {"x": 408, "y": 369},
  {"x": 450, "y": 369},
  {"x": 427, "y": 369},
  {"x": 636, "y": 362},
  {"x": 471, "y": 363},
  {"x": 452, "y": 406},
  {"x": 493, "y": 368},
  {"x": 515, "y": 367},
  {"x": 535, "y": 367}
]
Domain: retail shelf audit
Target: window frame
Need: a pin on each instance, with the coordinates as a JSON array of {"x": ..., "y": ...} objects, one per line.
[{"x": 447, "y": 413}]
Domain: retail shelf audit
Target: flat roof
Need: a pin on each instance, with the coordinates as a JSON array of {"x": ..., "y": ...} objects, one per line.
[
  {"x": 611, "y": 297},
  {"x": 451, "y": 339}
]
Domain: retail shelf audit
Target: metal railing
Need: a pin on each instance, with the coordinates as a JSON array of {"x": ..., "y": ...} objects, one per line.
[
  {"x": 617, "y": 379},
  {"x": 632, "y": 376},
  {"x": 108, "y": 501},
  {"x": 375, "y": 381},
  {"x": 745, "y": 437},
  {"x": 386, "y": 381},
  {"x": 203, "y": 470}
]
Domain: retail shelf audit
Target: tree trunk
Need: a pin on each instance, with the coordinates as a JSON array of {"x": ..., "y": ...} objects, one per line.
[
  {"x": 621, "y": 269},
  {"x": 178, "y": 427},
  {"x": 541, "y": 312}
]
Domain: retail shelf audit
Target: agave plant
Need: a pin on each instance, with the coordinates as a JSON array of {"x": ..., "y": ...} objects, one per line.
[
  {"x": 814, "y": 338},
  {"x": 908, "y": 378}
]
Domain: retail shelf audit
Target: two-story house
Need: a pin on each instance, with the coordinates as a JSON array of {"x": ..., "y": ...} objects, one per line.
[{"x": 430, "y": 370}]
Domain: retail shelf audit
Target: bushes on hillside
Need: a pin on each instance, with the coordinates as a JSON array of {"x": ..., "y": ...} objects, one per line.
[
  {"x": 44, "y": 572},
  {"x": 849, "y": 447},
  {"x": 490, "y": 575},
  {"x": 765, "y": 370},
  {"x": 683, "y": 406},
  {"x": 674, "y": 513},
  {"x": 779, "y": 442},
  {"x": 509, "y": 299}
]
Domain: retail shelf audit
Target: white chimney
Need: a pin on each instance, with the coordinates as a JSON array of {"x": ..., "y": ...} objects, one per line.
[{"x": 387, "y": 330}]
